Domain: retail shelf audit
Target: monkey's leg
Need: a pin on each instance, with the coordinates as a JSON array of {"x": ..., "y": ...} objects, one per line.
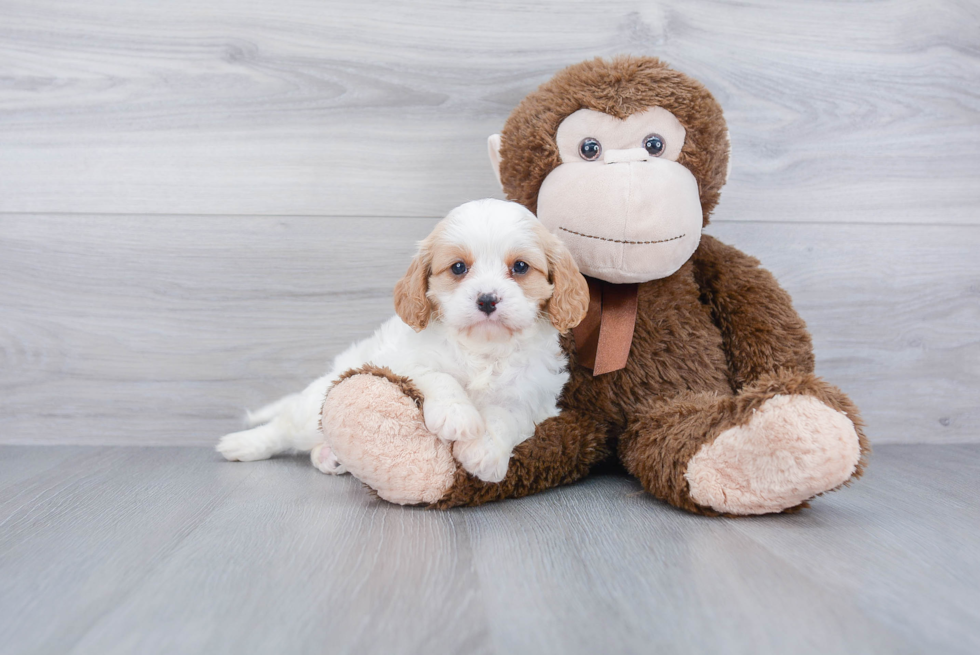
[
  {"x": 783, "y": 440},
  {"x": 373, "y": 423}
]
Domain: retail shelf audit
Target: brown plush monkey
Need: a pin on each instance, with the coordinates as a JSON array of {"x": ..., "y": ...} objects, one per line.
[{"x": 692, "y": 367}]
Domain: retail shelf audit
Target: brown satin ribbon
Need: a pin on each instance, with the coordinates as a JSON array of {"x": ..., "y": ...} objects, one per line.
[{"x": 603, "y": 338}]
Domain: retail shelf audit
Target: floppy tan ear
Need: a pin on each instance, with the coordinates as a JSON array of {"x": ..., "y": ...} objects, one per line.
[
  {"x": 570, "y": 300},
  {"x": 411, "y": 302}
]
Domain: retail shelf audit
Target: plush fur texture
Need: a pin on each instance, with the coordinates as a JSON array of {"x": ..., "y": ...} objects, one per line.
[
  {"x": 479, "y": 314},
  {"x": 717, "y": 410},
  {"x": 376, "y": 439},
  {"x": 754, "y": 469}
]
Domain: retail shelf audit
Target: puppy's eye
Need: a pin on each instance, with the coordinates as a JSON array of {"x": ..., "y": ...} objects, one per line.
[
  {"x": 589, "y": 149},
  {"x": 458, "y": 268},
  {"x": 654, "y": 144},
  {"x": 519, "y": 267}
]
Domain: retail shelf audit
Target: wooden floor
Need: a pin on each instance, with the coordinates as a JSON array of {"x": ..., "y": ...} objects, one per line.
[{"x": 170, "y": 550}]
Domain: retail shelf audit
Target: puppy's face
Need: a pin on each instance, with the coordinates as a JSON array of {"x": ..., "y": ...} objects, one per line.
[{"x": 491, "y": 270}]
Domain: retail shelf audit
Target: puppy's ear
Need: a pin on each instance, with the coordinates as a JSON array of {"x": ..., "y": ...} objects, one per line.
[
  {"x": 411, "y": 302},
  {"x": 570, "y": 300}
]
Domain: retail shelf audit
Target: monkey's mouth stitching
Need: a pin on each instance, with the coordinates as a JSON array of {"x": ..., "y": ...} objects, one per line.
[{"x": 632, "y": 243}]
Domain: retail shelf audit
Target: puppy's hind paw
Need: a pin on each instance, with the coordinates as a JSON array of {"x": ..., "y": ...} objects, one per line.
[{"x": 325, "y": 461}]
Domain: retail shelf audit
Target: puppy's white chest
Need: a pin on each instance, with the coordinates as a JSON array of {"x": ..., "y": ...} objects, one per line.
[
  {"x": 483, "y": 378},
  {"x": 508, "y": 379}
]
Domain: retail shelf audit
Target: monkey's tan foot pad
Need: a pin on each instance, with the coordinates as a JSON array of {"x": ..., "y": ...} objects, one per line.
[
  {"x": 377, "y": 431},
  {"x": 791, "y": 449}
]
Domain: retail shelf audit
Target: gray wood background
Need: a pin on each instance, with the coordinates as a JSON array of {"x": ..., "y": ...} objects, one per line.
[{"x": 200, "y": 203}]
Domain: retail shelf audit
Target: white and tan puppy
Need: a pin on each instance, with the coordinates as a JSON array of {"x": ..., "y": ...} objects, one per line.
[{"x": 478, "y": 317}]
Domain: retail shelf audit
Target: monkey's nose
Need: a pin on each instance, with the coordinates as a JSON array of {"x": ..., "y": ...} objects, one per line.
[
  {"x": 487, "y": 302},
  {"x": 629, "y": 154}
]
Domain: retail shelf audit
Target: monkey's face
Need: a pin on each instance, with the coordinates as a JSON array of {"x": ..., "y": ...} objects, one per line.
[
  {"x": 619, "y": 200},
  {"x": 623, "y": 159}
]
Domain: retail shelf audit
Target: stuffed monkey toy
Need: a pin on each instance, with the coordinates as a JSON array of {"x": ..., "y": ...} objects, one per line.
[{"x": 691, "y": 367}]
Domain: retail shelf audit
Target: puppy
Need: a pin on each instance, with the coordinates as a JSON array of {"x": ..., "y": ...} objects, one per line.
[{"x": 479, "y": 313}]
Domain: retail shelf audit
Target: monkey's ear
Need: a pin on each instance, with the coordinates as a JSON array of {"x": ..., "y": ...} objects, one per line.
[
  {"x": 728, "y": 166},
  {"x": 493, "y": 145},
  {"x": 411, "y": 302}
]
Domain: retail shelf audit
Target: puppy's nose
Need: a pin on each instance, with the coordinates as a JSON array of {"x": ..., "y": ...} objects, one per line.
[{"x": 487, "y": 302}]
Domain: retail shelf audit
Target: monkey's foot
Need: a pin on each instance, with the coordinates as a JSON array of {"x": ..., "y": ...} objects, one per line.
[
  {"x": 793, "y": 448},
  {"x": 372, "y": 423}
]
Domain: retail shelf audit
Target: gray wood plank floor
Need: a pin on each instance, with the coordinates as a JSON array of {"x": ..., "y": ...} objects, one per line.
[{"x": 169, "y": 550}]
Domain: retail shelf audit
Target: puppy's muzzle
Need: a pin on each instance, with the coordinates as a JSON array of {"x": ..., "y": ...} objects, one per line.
[{"x": 487, "y": 302}]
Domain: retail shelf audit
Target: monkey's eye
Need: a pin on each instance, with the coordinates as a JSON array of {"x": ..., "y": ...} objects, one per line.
[
  {"x": 519, "y": 267},
  {"x": 654, "y": 143},
  {"x": 459, "y": 268},
  {"x": 589, "y": 149}
]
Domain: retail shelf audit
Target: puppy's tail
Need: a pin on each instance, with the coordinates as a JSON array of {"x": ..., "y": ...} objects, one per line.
[
  {"x": 290, "y": 424},
  {"x": 270, "y": 411}
]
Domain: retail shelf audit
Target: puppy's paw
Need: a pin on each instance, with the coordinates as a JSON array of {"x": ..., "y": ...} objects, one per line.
[
  {"x": 486, "y": 457},
  {"x": 453, "y": 421},
  {"x": 247, "y": 446},
  {"x": 325, "y": 461}
]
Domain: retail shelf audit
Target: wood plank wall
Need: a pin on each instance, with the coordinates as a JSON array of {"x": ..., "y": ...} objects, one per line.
[{"x": 200, "y": 203}]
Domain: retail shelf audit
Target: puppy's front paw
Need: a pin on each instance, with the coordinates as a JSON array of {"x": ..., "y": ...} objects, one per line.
[
  {"x": 486, "y": 457},
  {"x": 453, "y": 421},
  {"x": 325, "y": 461}
]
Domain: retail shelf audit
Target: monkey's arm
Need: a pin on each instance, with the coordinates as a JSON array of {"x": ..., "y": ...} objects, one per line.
[
  {"x": 373, "y": 423},
  {"x": 762, "y": 332},
  {"x": 563, "y": 450}
]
